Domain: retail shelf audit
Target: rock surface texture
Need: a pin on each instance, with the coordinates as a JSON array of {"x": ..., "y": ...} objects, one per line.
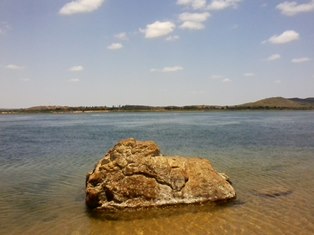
[{"x": 133, "y": 174}]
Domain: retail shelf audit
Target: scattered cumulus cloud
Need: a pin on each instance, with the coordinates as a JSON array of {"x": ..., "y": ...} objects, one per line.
[
  {"x": 192, "y": 25},
  {"x": 158, "y": 29},
  {"x": 193, "y": 21},
  {"x": 300, "y": 60},
  {"x": 199, "y": 17},
  {"x": 168, "y": 69},
  {"x": 199, "y": 4},
  {"x": 14, "y": 67},
  {"x": 121, "y": 36},
  {"x": 217, "y": 5},
  {"x": 285, "y": 37},
  {"x": 80, "y": 6},
  {"x": 293, "y": 8},
  {"x": 274, "y": 57},
  {"x": 115, "y": 46},
  {"x": 184, "y": 2},
  {"x": 195, "y": 4},
  {"x": 76, "y": 68}
]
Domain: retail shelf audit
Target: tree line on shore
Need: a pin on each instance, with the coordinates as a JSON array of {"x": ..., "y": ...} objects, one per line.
[{"x": 274, "y": 103}]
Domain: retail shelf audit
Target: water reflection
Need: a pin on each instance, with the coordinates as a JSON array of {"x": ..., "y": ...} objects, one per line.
[{"x": 159, "y": 212}]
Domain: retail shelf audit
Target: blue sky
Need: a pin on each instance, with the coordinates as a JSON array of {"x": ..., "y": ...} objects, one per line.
[{"x": 157, "y": 52}]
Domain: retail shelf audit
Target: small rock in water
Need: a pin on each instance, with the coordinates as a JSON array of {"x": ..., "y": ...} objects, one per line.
[
  {"x": 133, "y": 174},
  {"x": 276, "y": 191}
]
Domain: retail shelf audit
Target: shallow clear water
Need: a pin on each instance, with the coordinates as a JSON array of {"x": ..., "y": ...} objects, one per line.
[{"x": 44, "y": 159}]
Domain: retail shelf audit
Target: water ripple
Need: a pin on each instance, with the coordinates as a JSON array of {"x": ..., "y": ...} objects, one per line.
[{"x": 44, "y": 159}]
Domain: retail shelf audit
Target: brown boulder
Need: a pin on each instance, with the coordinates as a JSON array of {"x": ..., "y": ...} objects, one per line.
[{"x": 133, "y": 174}]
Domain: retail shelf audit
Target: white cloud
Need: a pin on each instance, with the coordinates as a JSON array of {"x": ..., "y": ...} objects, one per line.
[
  {"x": 80, "y": 6},
  {"x": 14, "y": 67},
  {"x": 121, "y": 36},
  {"x": 249, "y": 74},
  {"x": 226, "y": 80},
  {"x": 277, "y": 81},
  {"x": 217, "y": 5},
  {"x": 184, "y": 2},
  {"x": 168, "y": 69},
  {"x": 173, "y": 38},
  {"x": 214, "y": 5},
  {"x": 193, "y": 21},
  {"x": 199, "y": 4},
  {"x": 74, "y": 80},
  {"x": 158, "y": 29},
  {"x": 115, "y": 46},
  {"x": 195, "y": 4},
  {"x": 293, "y": 8},
  {"x": 192, "y": 25},
  {"x": 198, "y": 17},
  {"x": 172, "y": 69},
  {"x": 300, "y": 60},
  {"x": 76, "y": 68},
  {"x": 274, "y": 57},
  {"x": 285, "y": 37}
]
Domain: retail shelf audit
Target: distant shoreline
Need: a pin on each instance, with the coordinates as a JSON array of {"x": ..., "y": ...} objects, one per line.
[
  {"x": 152, "y": 110},
  {"x": 274, "y": 103}
]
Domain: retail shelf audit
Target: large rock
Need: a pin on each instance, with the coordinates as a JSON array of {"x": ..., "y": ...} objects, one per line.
[{"x": 133, "y": 174}]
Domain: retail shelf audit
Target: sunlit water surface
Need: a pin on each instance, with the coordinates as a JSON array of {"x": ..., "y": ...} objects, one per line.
[{"x": 44, "y": 160}]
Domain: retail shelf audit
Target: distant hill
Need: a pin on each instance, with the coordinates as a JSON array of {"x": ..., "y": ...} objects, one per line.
[
  {"x": 47, "y": 108},
  {"x": 280, "y": 103},
  {"x": 308, "y": 101}
]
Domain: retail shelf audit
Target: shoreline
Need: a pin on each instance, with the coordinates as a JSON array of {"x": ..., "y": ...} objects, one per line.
[
  {"x": 9, "y": 112},
  {"x": 274, "y": 103}
]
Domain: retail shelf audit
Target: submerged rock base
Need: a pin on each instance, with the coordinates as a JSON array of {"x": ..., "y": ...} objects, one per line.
[{"x": 133, "y": 174}]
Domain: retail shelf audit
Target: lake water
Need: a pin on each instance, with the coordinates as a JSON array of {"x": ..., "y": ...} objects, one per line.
[{"x": 44, "y": 160}]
